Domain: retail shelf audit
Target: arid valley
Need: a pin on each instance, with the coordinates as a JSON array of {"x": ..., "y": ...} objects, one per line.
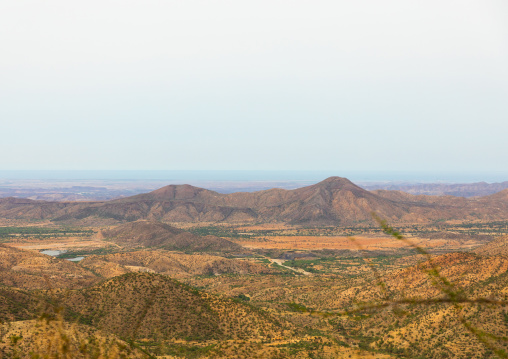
[
  {"x": 314, "y": 272},
  {"x": 268, "y": 179}
]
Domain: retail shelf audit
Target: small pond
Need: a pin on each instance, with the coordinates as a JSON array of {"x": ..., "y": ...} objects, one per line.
[
  {"x": 56, "y": 253},
  {"x": 53, "y": 252}
]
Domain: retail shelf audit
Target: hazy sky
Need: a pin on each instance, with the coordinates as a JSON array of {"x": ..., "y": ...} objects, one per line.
[{"x": 301, "y": 85}]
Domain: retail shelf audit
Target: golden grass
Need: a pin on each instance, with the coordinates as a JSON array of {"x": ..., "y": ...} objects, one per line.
[
  {"x": 337, "y": 242},
  {"x": 45, "y": 339}
]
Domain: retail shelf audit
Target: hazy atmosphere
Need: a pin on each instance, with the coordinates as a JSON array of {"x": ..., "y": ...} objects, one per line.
[
  {"x": 254, "y": 179},
  {"x": 259, "y": 85}
]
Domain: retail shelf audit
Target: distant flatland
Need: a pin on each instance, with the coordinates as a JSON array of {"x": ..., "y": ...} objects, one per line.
[{"x": 444, "y": 189}]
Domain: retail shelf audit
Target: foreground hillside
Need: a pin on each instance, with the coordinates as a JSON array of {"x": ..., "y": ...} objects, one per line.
[
  {"x": 335, "y": 201},
  {"x": 16, "y": 304},
  {"x": 58, "y": 339},
  {"x": 155, "y": 306},
  {"x": 423, "y": 327},
  {"x": 465, "y": 330}
]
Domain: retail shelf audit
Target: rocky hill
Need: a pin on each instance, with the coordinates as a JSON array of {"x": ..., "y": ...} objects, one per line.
[
  {"x": 175, "y": 265},
  {"x": 335, "y": 200},
  {"x": 32, "y": 270},
  {"x": 145, "y": 305},
  {"x": 152, "y": 234}
]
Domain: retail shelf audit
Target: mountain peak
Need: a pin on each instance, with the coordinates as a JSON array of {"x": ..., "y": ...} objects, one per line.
[
  {"x": 184, "y": 191},
  {"x": 335, "y": 182},
  {"x": 336, "y": 179}
]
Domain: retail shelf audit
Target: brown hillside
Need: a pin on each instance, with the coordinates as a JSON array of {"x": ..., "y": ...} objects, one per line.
[
  {"x": 17, "y": 304},
  {"x": 32, "y": 270},
  {"x": 425, "y": 327},
  {"x": 153, "y": 234},
  {"x": 143, "y": 305},
  {"x": 426, "y": 330},
  {"x": 11, "y": 207},
  {"x": 497, "y": 247},
  {"x": 175, "y": 265},
  {"x": 464, "y": 270}
]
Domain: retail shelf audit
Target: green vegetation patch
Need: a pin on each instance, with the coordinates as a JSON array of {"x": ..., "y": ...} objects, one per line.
[
  {"x": 345, "y": 266},
  {"x": 297, "y": 307},
  {"x": 304, "y": 346},
  {"x": 179, "y": 350},
  {"x": 42, "y": 232},
  {"x": 220, "y": 231}
]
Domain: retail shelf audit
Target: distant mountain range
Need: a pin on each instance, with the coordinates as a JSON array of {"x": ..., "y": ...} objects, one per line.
[
  {"x": 443, "y": 189},
  {"x": 334, "y": 201}
]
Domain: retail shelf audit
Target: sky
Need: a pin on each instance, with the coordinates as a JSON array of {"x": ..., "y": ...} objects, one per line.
[{"x": 390, "y": 85}]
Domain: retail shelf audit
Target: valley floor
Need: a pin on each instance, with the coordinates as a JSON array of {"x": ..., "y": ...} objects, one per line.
[{"x": 292, "y": 292}]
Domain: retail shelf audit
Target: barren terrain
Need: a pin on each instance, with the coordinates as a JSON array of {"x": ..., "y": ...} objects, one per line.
[
  {"x": 350, "y": 243},
  {"x": 211, "y": 289}
]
